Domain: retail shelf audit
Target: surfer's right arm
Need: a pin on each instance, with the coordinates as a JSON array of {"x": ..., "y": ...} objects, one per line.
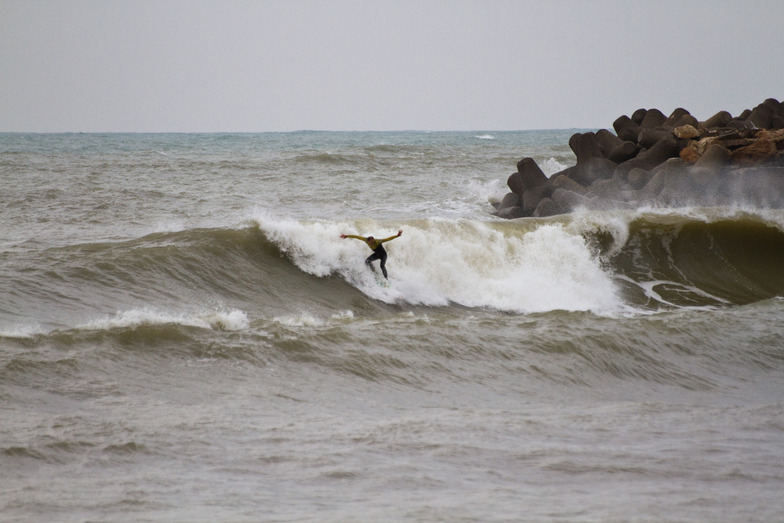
[{"x": 344, "y": 236}]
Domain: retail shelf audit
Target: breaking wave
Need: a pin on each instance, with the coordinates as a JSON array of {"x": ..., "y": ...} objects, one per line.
[{"x": 600, "y": 262}]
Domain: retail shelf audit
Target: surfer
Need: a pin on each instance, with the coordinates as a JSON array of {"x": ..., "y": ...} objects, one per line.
[{"x": 379, "y": 253}]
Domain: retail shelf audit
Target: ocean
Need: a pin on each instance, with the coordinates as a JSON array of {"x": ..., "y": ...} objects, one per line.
[{"x": 184, "y": 336}]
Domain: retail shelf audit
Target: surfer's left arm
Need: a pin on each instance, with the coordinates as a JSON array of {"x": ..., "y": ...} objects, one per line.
[{"x": 391, "y": 237}]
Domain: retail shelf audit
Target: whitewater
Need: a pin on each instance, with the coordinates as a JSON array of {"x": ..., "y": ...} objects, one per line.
[{"x": 184, "y": 336}]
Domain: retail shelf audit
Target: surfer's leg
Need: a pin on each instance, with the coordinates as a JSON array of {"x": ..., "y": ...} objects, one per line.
[
  {"x": 383, "y": 258},
  {"x": 369, "y": 261}
]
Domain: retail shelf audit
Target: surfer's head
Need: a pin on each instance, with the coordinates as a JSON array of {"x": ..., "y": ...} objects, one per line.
[{"x": 370, "y": 238}]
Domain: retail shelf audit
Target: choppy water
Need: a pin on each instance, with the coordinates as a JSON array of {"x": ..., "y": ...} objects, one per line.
[{"x": 184, "y": 336}]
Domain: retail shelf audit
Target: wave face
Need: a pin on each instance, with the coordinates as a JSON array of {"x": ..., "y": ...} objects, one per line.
[{"x": 718, "y": 258}]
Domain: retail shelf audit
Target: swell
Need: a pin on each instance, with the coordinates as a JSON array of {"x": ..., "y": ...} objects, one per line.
[
  {"x": 190, "y": 271},
  {"x": 686, "y": 261},
  {"x": 681, "y": 350}
]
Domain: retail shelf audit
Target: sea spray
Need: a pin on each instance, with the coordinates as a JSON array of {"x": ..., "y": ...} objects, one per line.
[
  {"x": 470, "y": 263},
  {"x": 521, "y": 269},
  {"x": 310, "y": 245}
]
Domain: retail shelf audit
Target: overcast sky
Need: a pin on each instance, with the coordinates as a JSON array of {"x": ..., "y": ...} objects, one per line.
[{"x": 379, "y": 65}]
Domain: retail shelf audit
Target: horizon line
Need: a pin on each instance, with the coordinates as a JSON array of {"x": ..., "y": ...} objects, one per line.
[{"x": 313, "y": 131}]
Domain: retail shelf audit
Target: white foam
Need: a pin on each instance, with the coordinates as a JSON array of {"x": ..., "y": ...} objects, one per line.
[
  {"x": 219, "y": 320},
  {"x": 229, "y": 321},
  {"x": 477, "y": 266},
  {"x": 472, "y": 263},
  {"x": 552, "y": 166},
  {"x": 314, "y": 247},
  {"x": 300, "y": 320},
  {"x": 616, "y": 223},
  {"x": 492, "y": 191},
  {"x": 170, "y": 225},
  {"x": 21, "y": 331},
  {"x": 649, "y": 288},
  {"x": 308, "y": 320}
]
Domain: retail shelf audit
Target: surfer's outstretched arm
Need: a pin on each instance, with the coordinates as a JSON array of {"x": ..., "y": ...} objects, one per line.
[
  {"x": 344, "y": 236},
  {"x": 391, "y": 237}
]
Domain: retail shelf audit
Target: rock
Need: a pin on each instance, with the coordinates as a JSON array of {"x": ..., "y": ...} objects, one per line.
[
  {"x": 569, "y": 200},
  {"x": 677, "y": 187},
  {"x": 605, "y": 189},
  {"x": 775, "y": 105},
  {"x": 675, "y": 117},
  {"x": 656, "y": 160},
  {"x": 702, "y": 145},
  {"x": 515, "y": 183},
  {"x": 686, "y": 119},
  {"x": 607, "y": 141},
  {"x": 528, "y": 175},
  {"x": 777, "y": 136},
  {"x": 763, "y": 148},
  {"x": 689, "y": 153},
  {"x": 696, "y": 149},
  {"x": 686, "y": 132},
  {"x": 761, "y": 116},
  {"x": 547, "y": 207},
  {"x": 510, "y": 213},
  {"x": 594, "y": 169},
  {"x": 659, "y": 175},
  {"x": 510, "y": 200},
  {"x": 649, "y": 158},
  {"x": 715, "y": 157},
  {"x": 585, "y": 146},
  {"x": 638, "y": 178},
  {"x": 623, "y": 151},
  {"x": 531, "y": 174},
  {"x": 653, "y": 118},
  {"x": 648, "y": 137},
  {"x": 533, "y": 195},
  {"x": 719, "y": 119},
  {"x": 738, "y": 123},
  {"x": 565, "y": 182},
  {"x": 638, "y": 115},
  {"x": 626, "y": 129}
]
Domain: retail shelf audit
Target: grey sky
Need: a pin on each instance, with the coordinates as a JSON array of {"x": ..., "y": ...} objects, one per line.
[{"x": 379, "y": 65}]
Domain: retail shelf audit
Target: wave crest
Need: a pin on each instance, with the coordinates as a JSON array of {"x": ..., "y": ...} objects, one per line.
[{"x": 215, "y": 320}]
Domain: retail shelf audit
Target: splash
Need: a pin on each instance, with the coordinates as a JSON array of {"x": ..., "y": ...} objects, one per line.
[{"x": 437, "y": 262}]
